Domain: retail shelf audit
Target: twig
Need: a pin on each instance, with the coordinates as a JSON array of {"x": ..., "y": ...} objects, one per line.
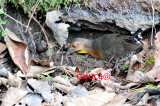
[
  {"x": 21, "y": 33},
  {"x": 21, "y": 29},
  {"x": 153, "y": 25},
  {"x": 13, "y": 19},
  {"x": 110, "y": 61},
  {"x": 2, "y": 27},
  {"x": 62, "y": 60},
  {"x": 33, "y": 36},
  {"x": 44, "y": 32},
  {"x": 36, "y": 5},
  {"x": 32, "y": 40}
]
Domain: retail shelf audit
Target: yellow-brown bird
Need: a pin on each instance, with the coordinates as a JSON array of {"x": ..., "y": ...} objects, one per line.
[{"x": 111, "y": 45}]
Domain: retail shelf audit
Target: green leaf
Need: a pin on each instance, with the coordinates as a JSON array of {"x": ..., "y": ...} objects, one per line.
[
  {"x": 65, "y": 77},
  {"x": 125, "y": 66},
  {"x": 78, "y": 5},
  {"x": 49, "y": 77},
  {"x": 158, "y": 86},
  {"x": 132, "y": 59},
  {"x": 126, "y": 71},
  {"x": 143, "y": 69},
  {"x": 3, "y": 22},
  {"x": 4, "y": 33},
  {"x": 22, "y": 1},
  {"x": 149, "y": 62},
  {"x": 150, "y": 85},
  {"x": 1, "y": 11},
  {"x": 142, "y": 91},
  {"x": 55, "y": 49},
  {"x": 48, "y": 51},
  {"x": 43, "y": 76}
]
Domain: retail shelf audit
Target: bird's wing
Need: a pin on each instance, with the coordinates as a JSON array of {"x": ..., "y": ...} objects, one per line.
[{"x": 111, "y": 46}]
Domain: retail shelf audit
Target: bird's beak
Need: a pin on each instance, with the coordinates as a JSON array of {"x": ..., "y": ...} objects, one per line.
[{"x": 69, "y": 51}]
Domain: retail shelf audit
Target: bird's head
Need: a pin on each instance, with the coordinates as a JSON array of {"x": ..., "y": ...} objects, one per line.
[{"x": 77, "y": 45}]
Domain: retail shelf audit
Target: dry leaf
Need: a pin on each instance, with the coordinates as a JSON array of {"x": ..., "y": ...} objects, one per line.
[
  {"x": 12, "y": 96},
  {"x": 157, "y": 53},
  {"x": 154, "y": 74},
  {"x": 143, "y": 101},
  {"x": 63, "y": 88},
  {"x": 41, "y": 87},
  {"x": 145, "y": 53},
  {"x": 35, "y": 71},
  {"x": 3, "y": 47},
  {"x": 3, "y": 54},
  {"x": 63, "y": 81},
  {"x": 119, "y": 100},
  {"x": 1, "y": 61},
  {"x": 56, "y": 100},
  {"x": 60, "y": 30},
  {"x": 33, "y": 62},
  {"x": 3, "y": 71},
  {"x": 96, "y": 71},
  {"x": 18, "y": 51},
  {"x": 96, "y": 90},
  {"x": 30, "y": 99},
  {"x": 3, "y": 81},
  {"x": 14, "y": 80},
  {"x": 135, "y": 76},
  {"x": 100, "y": 99}
]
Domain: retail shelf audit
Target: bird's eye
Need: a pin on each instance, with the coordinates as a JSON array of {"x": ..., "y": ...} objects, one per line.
[{"x": 73, "y": 46}]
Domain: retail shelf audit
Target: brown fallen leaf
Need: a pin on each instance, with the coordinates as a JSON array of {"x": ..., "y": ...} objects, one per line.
[
  {"x": 143, "y": 101},
  {"x": 63, "y": 88},
  {"x": 1, "y": 61},
  {"x": 57, "y": 99},
  {"x": 12, "y": 96},
  {"x": 3, "y": 81},
  {"x": 35, "y": 71},
  {"x": 3, "y": 54},
  {"x": 145, "y": 53},
  {"x": 154, "y": 74},
  {"x": 14, "y": 80},
  {"x": 135, "y": 76},
  {"x": 3, "y": 47},
  {"x": 99, "y": 99},
  {"x": 157, "y": 53},
  {"x": 18, "y": 51},
  {"x": 96, "y": 71},
  {"x": 60, "y": 30},
  {"x": 33, "y": 62}
]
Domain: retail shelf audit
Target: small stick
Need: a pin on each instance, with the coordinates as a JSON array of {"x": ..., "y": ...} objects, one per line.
[
  {"x": 13, "y": 19},
  {"x": 36, "y": 5},
  {"x": 110, "y": 60},
  {"x": 44, "y": 32}
]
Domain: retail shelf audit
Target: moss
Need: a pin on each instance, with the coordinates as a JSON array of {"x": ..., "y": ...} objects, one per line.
[{"x": 44, "y": 5}]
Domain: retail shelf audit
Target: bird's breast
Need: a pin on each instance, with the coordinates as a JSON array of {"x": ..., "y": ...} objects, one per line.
[{"x": 97, "y": 53}]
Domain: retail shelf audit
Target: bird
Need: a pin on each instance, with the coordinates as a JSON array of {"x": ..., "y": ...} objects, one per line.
[{"x": 118, "y": 46}]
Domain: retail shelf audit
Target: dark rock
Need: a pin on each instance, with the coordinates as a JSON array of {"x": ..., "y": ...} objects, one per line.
[{"x": 113, "y": 15}]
